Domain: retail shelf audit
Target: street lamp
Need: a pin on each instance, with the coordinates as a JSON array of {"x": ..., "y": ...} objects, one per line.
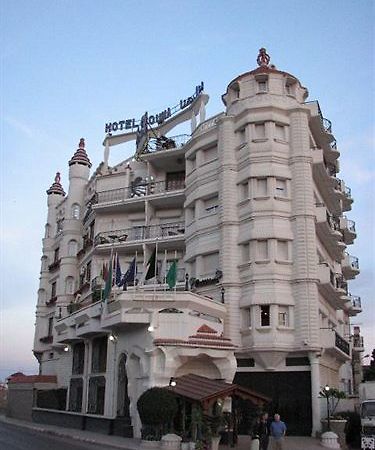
[{"x": 326, "y": 390}]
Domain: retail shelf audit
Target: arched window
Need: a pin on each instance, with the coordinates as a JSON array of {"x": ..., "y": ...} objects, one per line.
[
  {"x": 41, "y": 296},
  {"x": 72, "y": 248},
  {"x": 47, "y": 233},
  {"x": 69, "y": 285},
  {"x": 76, "y": 210},
  {"x": 44, "y": 263}
]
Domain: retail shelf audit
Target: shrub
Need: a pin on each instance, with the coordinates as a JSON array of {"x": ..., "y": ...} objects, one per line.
[
  {"x": 157, "y": 408},
  {"x": 353, "y": 428}
]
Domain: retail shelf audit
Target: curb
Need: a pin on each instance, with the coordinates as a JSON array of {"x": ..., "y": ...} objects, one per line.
[{"x": 64, "y": 434}]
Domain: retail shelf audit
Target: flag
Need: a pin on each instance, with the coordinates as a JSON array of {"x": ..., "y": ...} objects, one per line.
[
  {"x": 118, "y": 272},
  {"x": 104, "y": 272},
  {"x": 172, "y": 275},
  {"x": 129, "y": 276},
  {"x": 108, "y": 283},
  {"x": 151, "y": 271}
]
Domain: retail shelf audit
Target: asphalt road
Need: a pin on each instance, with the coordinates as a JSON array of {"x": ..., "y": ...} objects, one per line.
[{"x": 13, "y": 437}]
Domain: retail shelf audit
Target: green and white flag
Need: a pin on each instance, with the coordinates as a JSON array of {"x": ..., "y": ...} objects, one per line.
[{"x": 172, "y": 275}]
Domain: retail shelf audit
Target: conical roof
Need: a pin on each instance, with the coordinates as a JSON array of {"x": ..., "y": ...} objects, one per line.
[
  {"x": 56, "y": 187},
  {"x": 80, "y": 156}
]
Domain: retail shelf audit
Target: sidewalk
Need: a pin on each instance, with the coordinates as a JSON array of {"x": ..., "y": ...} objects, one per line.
[{"x": 291, "y": 442}]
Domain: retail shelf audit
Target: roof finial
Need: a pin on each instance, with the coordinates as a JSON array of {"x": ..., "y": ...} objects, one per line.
[
  {"x": 57, "y": 177},
  {"x": 56, "y": 187},
  {"x": 81, "y": 143},
  {"x": 263, "y": 58}
]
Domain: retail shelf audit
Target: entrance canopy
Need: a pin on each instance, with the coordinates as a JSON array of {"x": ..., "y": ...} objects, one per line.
[{"x": 206, "y": 391}]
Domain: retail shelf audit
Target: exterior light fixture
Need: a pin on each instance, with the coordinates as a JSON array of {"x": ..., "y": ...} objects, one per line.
[
  {"x": 327, "y": 389},
  {"x": 112, "y": 338},
  {"x": 151, "y": 328},
  {"x": 66, "y": 348},
  {"x": 172, "y": 382}
]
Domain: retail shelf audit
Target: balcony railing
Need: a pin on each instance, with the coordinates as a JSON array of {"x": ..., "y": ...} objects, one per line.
[
  {"x": 140, "y": 190},
  {"x": 342, "y": 344},
  {"x": 54, "y": 266},
  {"x": 326, "y": 124},
  {"x": 166, "y": 143},
  {"x": 333, "y": 222},
  {"x": 46, "y": 339},
  {"x": 353, "y": 261},
  {"x": 355, "y": 301},
  {"x": 348, "y": 192},
  {"x": 351, "y": 225},
  {"x": 141, "y": 233},
  {"x": 51, "y": 301},
  {"x": 333, "y": 145},
  {"x": 358, "y": 341}
]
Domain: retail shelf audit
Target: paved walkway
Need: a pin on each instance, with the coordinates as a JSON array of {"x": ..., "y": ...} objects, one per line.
[{"x": 291, "y": 442}]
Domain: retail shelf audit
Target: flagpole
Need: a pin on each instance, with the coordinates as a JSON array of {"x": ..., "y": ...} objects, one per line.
[
  {"x": 165, "y": 270},
  {"x": 156, "y": 266},
  {"x": 175, "y": 286},
  {"x": 135, "y": 286}
]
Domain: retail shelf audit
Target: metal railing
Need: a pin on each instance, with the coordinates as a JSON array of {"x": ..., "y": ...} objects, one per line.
[
  {"x": 333, "y": 222},
  {"x": 353, "y": 261},
  {"x": 140, "y": 233},
  {"x": 350, "y": 225},
  {"x": 355, "y": 301},
  {"x": 348, "y": 192},
  {"x": 326, "y": 124},
  {"x": 342, "y": 344},
  {"x": 166, "y": 143},
  {"x": 141, "y": 190},
  {"x": 333, "y": 145},
  {"x": 357, "y": 341}
]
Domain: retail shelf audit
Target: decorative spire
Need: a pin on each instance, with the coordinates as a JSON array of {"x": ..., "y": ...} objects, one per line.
[
  {"x": 263, "y": 58},
  {"x": 56, "y": 187},
  {"x": 80, "y": 156}
]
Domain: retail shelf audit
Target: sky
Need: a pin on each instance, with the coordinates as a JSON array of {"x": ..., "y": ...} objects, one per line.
[{"x": 70, "y": 66}]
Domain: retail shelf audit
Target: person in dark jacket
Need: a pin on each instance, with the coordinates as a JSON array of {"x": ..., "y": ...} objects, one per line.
[{"x": 263, "y": 432}]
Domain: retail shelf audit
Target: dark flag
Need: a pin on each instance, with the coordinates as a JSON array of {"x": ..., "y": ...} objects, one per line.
[
  {"x": 151, "y": 271},
  {"x": 129, "y": 275}
]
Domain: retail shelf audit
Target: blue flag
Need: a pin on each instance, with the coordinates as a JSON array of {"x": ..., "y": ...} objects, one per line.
[
  {"x": 129, "y": 276},
  {"x": 118, "y": 272}
]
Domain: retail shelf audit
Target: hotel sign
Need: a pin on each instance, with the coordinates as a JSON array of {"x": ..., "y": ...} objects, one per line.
[{"x": 140, "y": 126}]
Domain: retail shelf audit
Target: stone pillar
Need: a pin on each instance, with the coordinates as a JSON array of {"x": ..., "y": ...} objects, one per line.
[{"x": 315, "y": 389}]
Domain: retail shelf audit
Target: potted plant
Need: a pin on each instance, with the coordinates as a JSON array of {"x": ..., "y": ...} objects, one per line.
[
  {"x": 333, "y": 397},
  {"x": 195, "y": 425},
  {"x": 216, "y": 422}
]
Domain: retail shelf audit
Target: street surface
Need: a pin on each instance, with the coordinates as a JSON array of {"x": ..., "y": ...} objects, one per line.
[{"x": 13, "y": 437}]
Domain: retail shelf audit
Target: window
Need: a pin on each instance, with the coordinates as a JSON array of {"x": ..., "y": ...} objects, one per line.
[
  {"x": 211, "y": 205},
  {"x": 261, "y": 187},
  {"x": 260, "y": 131},
  {"x": 92, "y": 230},
  {"x": 76, "y": 209},
  {"x": 280, "y": 188},
  {"x": 53, "y": 290},
  {"x": 283, "y": 317},
  {"x": 175, "y": 181},
  {"x": 56, "y": 255},
  {"x": 50, "y": 326},
  {"x": 290, "y": 87},
  {"x": 44, "y": 264},
  {"x": 78, "y": 358},
  {"x": 211, "y": 263},
  {"x": 72, "y": 248},
  {"x": 96, "y": 395},
  {"x": 265, "y": 316},
  {"x": 47, "y": 233},
  {"x": 242, "y": 136},
  {"x": 262, "y": 249},
  {"x": 69, "y": 285},
  {"x": 210, "y": 154},
  {"x": 245, "y": 252},
  {"x": 41, "y": 296},
  {"x": 88, "y": 272},
  {"x": 99, "y": 354},
  {"x": 279, "y": 132},
  {"x": 190, "y": 216},
  {"x": 282, "y": 250},
  {"x": 59, "y": 226},
  {"x": 262, "y": 86},
  {"x": 244, "y": 190},
  {"x": 75, "y": 394}
]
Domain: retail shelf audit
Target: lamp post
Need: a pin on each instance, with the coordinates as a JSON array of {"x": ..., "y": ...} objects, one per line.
[{"x": 326, "y": 390}]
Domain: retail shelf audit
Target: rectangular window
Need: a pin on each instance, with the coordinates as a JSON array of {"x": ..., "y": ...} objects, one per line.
[
  {"x": 280, "y": 188},
  {"x": 211, "y": 205},
  {"x": 99, "y": 355},
  {"x": 280, "y": 132},
  {"x": 50, "y": 326},
  {"x": 245, "y": 191},
  {"x": 53, "y": 290},
  {"x": 78, "y": 358},
  {"x": 262, "y": 249},
  {"x": 56, "y": 255},
  {"x": 265, "y": 316},
  {"x": 245, "y": 252},
  {"x": 260, "y": 131},
  {"x": 175, "y": 181},
  {"x": 242, "y": 136},
  {"x": 261, "y": 187},
  {"x": 92, "y": 230},
  {"x": 262, "y": 86},
  {"x": 88, "y": 272},
  {"x": 211, "y": 263},
  {"x": 282, "y": 251},
  {"x": 210, "y": 154},
  {"x": 283, "y": 316},
  {"x": 96, "y": 395},
  {"x": 75, "y": 394}
]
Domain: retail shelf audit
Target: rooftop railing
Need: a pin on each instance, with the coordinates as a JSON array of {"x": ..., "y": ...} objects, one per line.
[
  {"x": 342, "y": 344},
  {"x": 166, "y": 143}
]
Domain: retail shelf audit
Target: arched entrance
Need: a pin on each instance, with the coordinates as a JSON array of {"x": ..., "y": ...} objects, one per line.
[{"x": 122, "y": 424}]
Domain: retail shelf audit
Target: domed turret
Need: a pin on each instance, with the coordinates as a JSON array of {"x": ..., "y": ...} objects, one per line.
[
  {"x": 80, "y": 156},
  {"x": 56, "y": 187}
]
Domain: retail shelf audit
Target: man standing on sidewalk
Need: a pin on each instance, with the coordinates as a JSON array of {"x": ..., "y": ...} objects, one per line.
[{"x": 278, "y": 430}]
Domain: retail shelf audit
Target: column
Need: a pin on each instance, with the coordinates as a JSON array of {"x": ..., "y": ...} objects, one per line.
[{"x": 315, "y": 389}]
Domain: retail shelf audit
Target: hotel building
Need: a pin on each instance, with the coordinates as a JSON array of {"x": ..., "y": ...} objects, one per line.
[{"x": 251, "y": 208}]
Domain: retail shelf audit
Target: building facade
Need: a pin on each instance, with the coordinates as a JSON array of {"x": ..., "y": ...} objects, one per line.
[{"x": 250, "y": 207}]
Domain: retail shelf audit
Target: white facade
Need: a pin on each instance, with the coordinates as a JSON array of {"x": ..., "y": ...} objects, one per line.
[{"x": 251, "y": 207}]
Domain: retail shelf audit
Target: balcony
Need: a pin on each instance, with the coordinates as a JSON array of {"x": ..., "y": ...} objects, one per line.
[
  {"x": 350, "y": 266},
  {"x": 174, "y": 231},
  {"x": 354, "y": 305},
  {"x": 163, "y": 143},
  {"x": 358, "y": 345},
  {"x": 46, "y": 339},
  {"x": 347, "y": 198},
  {"x": 348, "y": 231},
  {"x": 319, "y": 125},
  {"x": 327, "y": 228},
  {"x": 54, "y": 266},
  {"x": 51, "y": 301},
  {"x": 335, "y": 345},
  {"x": 332, "y": 286}
]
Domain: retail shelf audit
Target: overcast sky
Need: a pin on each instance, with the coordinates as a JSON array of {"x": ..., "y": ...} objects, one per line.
[{"x": 70, "y": 66}]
